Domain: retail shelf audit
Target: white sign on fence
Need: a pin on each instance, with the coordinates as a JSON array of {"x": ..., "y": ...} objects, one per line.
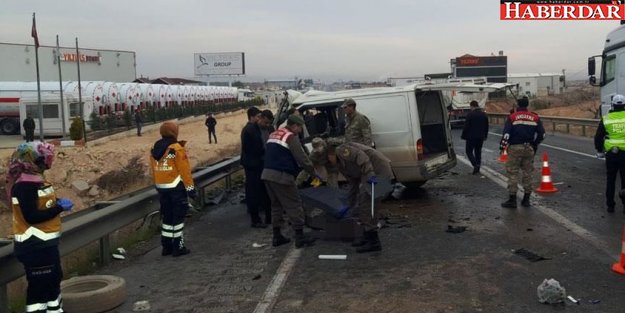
[{"x": 227, "y": 63}]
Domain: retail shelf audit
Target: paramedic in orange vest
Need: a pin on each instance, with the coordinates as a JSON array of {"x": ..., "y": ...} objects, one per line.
[
  {"x": 172, "y": 178},
  {"x": 37, "y": 224}
]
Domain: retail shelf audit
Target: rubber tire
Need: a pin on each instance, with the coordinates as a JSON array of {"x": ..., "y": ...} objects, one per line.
[
  {"x": 414, "y": 185},
  {"x": 9, "y": 127},
  {"x": 93, "y": 294}
]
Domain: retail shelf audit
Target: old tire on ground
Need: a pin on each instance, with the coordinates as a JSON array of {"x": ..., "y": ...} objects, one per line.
[{"x": 93, "y": 294}]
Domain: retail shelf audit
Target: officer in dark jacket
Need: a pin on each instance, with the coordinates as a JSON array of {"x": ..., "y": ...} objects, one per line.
[
  {"x": 610, "y": 143},
  {"x": 29, "y": 128},
  {"x": 475, "y": 132},
  {"x": 210, "y": 123},
  {"x": 522, "y": 134},
  {"x": 252, "y": 159}
]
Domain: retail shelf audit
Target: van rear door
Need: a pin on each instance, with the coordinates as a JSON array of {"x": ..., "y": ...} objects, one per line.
[{"x": 434, "y": 140}]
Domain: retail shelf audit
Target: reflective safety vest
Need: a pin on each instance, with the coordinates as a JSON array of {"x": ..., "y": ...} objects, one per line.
[
  {"x": 614, "y": 124},
  {"x": 37, "y": 235},
  {"x": 172, "y": 168}
]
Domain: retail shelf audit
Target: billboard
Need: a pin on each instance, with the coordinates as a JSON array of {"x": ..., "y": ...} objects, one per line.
[{"x": 227, "y": 63}]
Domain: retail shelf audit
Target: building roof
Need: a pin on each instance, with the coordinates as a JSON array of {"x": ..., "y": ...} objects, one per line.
[
  {"x": 176, "y": 81},
  {"x": 142, "y": 80},
  {"x": 527, "y": 75}
]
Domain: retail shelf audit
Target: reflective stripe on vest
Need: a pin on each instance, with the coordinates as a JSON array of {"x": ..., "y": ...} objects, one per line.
[
  {"x": 614, "y": 124},
  {"x": 170, "y": 185},
  {"x": 34, "y": 231}
]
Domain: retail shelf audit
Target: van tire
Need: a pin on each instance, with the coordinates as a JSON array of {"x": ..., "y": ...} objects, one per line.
[
  {"x": 9, "y": 126},
  {"x": 93, "y": 293}
]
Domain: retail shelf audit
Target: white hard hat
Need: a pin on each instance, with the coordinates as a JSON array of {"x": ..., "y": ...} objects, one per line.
[{"x": 618, "y": 100}]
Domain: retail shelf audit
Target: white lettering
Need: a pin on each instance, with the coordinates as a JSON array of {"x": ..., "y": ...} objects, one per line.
[
  {"x": 599, "y": 12},
  {"x": 556, "y": 12},
  {"x": 568, "y": 12},
  {"x": 543, "y": 11},
  {"x": 581, "y": 12},
  {"x": 528, "y": 11},
  {"x": 515, "y": 10}
]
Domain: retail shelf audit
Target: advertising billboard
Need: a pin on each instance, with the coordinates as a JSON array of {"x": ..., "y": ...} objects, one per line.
[{"x": 227, "y": 63}]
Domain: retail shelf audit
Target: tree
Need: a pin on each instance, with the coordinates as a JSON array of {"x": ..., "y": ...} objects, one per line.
[{"x": 238, "y": 84}]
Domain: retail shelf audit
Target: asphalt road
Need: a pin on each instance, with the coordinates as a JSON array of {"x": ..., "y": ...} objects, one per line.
[{"x": 422, "y": 268}]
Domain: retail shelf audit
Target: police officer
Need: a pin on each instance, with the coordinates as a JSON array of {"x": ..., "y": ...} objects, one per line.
[
  {"x": 610, "y": 142},
  {"x": 37, "y": 225},
  {"x": 283, "y": 158},
  {"x": 357, "y": 127},
  {"x": 361, "y": 165},
  {"x": 522, "y": 134},
  {"x": 173, "y": 181}
]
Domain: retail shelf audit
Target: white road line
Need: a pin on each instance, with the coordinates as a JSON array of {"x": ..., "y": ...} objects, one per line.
[
  {"x": 488, "y": 150},
  {"x": 277, "y": 282},
  {"x": 580, "y": 231},
  {"x": 558, "y": 148}
]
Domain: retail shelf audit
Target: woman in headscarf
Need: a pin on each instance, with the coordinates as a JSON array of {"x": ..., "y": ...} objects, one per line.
[{"x": 37, "y": 224}]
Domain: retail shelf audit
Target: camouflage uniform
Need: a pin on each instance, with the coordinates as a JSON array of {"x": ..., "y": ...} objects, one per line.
[
  {"x": 358, "y": 129},
  {"x": 520, "y": 157}
]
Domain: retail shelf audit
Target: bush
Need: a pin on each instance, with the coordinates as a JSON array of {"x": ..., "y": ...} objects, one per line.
[
  {"x": 95, "y": 122},
  {"x": 75, "y": 130},
  {"x": 538, "y": 104},
  {"x": 127, "y": 118}
]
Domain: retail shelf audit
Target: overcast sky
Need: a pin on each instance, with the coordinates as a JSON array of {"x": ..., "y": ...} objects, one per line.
[{"x": 321, "y": 39}]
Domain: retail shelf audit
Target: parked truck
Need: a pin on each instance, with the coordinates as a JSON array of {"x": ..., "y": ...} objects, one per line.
[{"x": 612, "y": 68}]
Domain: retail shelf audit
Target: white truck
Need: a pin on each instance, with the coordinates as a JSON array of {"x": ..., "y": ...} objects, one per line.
[{"x": 611, "y": 79}]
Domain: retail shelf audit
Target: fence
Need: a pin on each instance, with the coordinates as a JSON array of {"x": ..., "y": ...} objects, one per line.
[
  {"x": 95, "y": 224},
  {"x": 569, "y": 125}
]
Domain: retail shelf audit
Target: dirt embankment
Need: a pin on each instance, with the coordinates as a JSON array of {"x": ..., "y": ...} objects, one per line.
[{"x": 120, "y": 166}]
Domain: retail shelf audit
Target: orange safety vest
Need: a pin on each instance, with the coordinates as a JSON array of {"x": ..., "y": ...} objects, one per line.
[
  {"x": 44, "y": 231},
  {"x": 172, "y": 168}
]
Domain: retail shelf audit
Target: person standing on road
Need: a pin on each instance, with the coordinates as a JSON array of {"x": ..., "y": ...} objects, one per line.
[
  {"x": 284, "y": 158},
  {"x": 210, "y": 123},
  {"x": 138, "y": 121},
  {"x": 252, "y": 160},
  {"x": 266, "y": 125},
  {"x": 37, "y": 225},
  {"x": 29, "y": 128},
  {"x": 171, "y": 171},
  {"x": 522, "y": 134},
  {"x": 610, "y": 143},
  {"x": 357, "y": 125},
  {"x": 475, "y": 133}
]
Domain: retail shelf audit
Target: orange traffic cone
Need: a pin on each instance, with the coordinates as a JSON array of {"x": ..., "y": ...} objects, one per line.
[
  {"x": 620, "y": 266},
  {"x": 546, "y": 185},
  {"x": 503, "y": 158}
]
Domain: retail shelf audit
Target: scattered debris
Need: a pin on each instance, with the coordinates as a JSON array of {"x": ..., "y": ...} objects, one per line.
[
  {"x": 120, "y": 254},
  {"x": 529, "y": 255},
  {"x": 257, "y": 277},
  {"x": 573, "y": 300},
  {"x": 140, "y": 306},
  {"x": 551, "y": 292},
  {"x": 258, "y": 245},
  {"x": 332, "y": 257},
  {"x": 456, "y": 230},
  {"x": 594, "y": 301},
  {"x": 530, "y": 229}
]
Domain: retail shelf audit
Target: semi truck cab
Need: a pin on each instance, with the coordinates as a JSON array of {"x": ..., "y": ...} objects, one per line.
[{"x": 612, "y": 76}]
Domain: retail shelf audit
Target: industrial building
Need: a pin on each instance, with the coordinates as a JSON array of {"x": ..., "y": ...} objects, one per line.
[
  {"x": 17, "y": 62},
  {"x": 538, "y": 84}
]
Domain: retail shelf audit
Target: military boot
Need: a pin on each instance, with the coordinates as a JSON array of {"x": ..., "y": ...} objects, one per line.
[
  {"x": 372, "y": 243},
  {"x": 180, "y": 251},
  {"x": 526, "y": 200},
  {"x": 302, "y": 240},
  {"x": 359, "y": 241},
  {"x": 511, "y": 203},
  {"x": 278, "y": 239}
]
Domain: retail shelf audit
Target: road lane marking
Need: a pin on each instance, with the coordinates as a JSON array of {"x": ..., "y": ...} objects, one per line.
[
  {"x": 488, "y": 150},
  {"x": 580, "y": 231},
  {"x": 277, "y": 282},
  {"x": 558, "y": 148}
]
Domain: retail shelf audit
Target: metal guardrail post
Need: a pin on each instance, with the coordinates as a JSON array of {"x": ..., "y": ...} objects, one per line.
[
  {"x": 553, "y": 124},
  {"x": 568, "y": 128},
  {"x": 105, "y": 250},
  {"x": 584, "y": 130}
]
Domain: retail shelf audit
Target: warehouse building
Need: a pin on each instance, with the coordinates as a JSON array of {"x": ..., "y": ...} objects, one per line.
[
  {"x": 539, "y": 84},
  {"x": 17, "y": 62}
]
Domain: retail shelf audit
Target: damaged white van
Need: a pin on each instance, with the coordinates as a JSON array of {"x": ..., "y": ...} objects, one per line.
[{"x": 409, "y": 124}]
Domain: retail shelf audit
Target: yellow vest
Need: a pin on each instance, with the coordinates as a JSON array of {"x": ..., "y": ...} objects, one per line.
[
  {"x": 614, "y": 124},
  {"x": 45, "y": 231}
]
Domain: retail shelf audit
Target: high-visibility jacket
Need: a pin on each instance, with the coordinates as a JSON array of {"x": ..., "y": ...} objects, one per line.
[
  {"x": 278, "y": 155},
  {"x": 44, "y": 234},
  {"x": 614, "y": 124},
  {"x": 172, "y": 168}
]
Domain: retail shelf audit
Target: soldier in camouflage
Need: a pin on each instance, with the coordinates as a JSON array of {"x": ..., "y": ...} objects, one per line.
[
  {"x": 357, "y": 127},
  {"x": 522, "y": 134}
]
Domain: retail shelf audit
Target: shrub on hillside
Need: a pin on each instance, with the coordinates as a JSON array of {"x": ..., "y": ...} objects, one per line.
[{"x": 75, "y": 129}]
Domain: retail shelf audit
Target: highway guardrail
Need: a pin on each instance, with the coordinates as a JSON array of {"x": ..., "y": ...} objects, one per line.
[{"x": 567, "y": 125}]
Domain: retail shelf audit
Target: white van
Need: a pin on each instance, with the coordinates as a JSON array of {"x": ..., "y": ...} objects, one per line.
[{"x": 409, "y": 124}]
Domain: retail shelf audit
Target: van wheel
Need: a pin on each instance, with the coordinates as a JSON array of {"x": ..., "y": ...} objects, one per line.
[
  {"x": 93, "y": 294},
  {"x": 9, "y": 127}
]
